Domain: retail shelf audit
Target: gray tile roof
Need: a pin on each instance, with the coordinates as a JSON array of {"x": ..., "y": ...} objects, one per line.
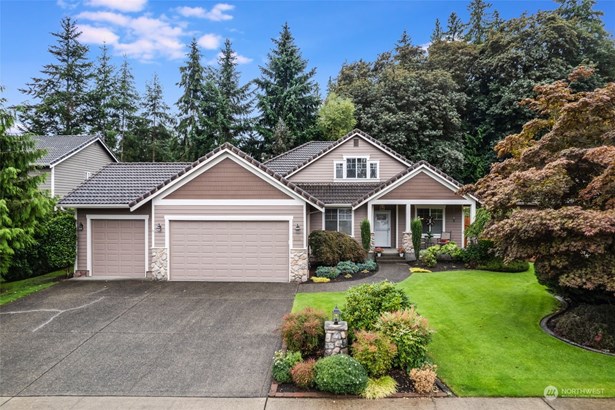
[
  {"x": 122, "y": 182},
  {"x": 338, "y": 192},
  {"x": 288, "y": 161},
  {"x": 59, "y": 147}
]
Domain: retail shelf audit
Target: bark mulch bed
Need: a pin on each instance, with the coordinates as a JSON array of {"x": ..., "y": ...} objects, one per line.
[
  {"x": 404, "y": 389},
  {"x": 341, "y": 278},
  {"x": 440, "y": 267}
]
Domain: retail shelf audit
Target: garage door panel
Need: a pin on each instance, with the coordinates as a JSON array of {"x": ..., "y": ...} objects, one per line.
[
  {"x": 118, "y": 248},
  {"x": 246, "y": 251}
]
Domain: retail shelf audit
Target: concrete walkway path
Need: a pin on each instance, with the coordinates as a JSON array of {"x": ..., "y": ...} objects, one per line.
[
  {"x": 175, "y": 403},
  {"x": 393, "y": 272}
]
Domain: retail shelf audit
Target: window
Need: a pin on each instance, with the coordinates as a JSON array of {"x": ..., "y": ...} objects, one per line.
[
  {"x": 432, "y": 219},
  {"x": 356, "y": 168},
  {"x": 339, "y": 220}
]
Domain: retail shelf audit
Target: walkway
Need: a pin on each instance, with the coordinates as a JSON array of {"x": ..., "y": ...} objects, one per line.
[{"x": 394, "y": 272}]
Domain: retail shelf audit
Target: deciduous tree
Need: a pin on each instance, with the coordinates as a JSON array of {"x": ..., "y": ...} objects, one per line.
[{"x": 336, "y": 117}]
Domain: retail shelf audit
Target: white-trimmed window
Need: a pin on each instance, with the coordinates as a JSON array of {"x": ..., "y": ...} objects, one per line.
[
  {"x": 338, "y": 219},
  {"x": 432, "y": 220},
  {"x": 356, "y": 168}
]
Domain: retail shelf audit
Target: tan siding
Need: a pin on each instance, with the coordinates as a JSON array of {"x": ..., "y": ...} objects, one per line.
[
  {"x": 359, "y": 215},
  {"x": 454, "y": 211},
  {"x": 421, "y": 186},
  {"x": 227, "y": 180},
  {"x": 315, "y": 220},
  {"x": 296, "y": 211},
  {"x": 82, "y": 236},
  {"x": 72, "y": 171},
  {"x": 322, "y": 169}
]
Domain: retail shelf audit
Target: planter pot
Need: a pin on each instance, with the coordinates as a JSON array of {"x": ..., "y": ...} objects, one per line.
[
  {"x": 378, "y": 254},
  {"x": 402, "y": 254}
]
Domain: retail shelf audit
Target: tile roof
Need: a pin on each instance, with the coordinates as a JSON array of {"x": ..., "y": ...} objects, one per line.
[
  {"x": 59, "y": 147},
  {"x": 305, "y": 156},
  {"x": 339, "y": 192},
  {"x": 288, "y": 161},
  {"x": 239, "y": 153},
  {"x": 122, "y": 182}
]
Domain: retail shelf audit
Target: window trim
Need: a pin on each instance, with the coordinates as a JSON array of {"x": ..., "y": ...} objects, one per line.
[
  {"x": 338, "y": 219},
  {"x": 344, "y": 169},
  {"x": 442, "y": 207}
]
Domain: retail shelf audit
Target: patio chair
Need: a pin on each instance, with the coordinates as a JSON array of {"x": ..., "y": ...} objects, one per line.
[{"x": 444, "y": 238}]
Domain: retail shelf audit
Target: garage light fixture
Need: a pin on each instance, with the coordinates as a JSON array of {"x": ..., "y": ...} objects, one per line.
[
  {"x": 79, "y": 226},
  {"x": 297, "y": 228},
  {"x": 158, "y": 228}
]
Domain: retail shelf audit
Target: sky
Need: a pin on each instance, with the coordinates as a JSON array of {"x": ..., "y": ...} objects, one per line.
[{"x": 154, "y": 34}]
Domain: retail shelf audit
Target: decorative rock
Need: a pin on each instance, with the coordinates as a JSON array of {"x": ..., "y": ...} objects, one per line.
[
  {"x": 336, "y": 341},
  {"x": 406, "y": 242},
  {"x": 158, "y": 267},
  {"x": 298, "y": 265}
]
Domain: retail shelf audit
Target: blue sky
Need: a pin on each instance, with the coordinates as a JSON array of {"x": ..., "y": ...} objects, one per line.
[{"x": 153, "y": 34}]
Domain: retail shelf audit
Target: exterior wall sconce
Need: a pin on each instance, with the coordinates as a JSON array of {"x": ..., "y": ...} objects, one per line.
[
  {"x": 158, "y": 228},
  {"x": 79, "y": 226},
  {"x": 336, "y": 316},
  {"x": 297, "y": 228},
  {"x": 453, "y": 218}
]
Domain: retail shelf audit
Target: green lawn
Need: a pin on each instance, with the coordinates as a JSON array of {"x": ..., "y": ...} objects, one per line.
[
  {"x": 488, "y": 341},
  {"x": 11, "y": 291}
]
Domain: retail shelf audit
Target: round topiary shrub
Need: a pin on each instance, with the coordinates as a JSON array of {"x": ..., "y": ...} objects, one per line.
[
  {"x": 365, "y": 303},
  {"x": 340, "y": 374},
  {"x": 330, "y": 248}
]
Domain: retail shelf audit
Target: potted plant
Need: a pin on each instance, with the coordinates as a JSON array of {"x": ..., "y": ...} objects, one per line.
[
  {"x": 378, "y": 251},
  {"x": 402, "y": 251}
]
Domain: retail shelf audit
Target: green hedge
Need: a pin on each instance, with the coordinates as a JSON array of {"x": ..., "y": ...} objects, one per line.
[{"x": 330, "y": 248}]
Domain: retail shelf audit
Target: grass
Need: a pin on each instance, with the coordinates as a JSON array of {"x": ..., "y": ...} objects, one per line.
[
  {"x": 488, "y": 341},
  {"x": 11, "y": 291}
]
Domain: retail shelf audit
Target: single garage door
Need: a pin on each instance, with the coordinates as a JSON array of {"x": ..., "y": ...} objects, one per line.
[
  {"x": 118, "y": 248},
  {"x": 229, "y": 251}
]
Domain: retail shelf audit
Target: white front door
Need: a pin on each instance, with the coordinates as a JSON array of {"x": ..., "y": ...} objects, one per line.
[{"x": 382, "y": 228}]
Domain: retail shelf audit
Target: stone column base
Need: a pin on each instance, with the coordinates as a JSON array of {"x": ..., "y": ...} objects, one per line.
[
  {"x": 299, "y": 269},
  {"x": 406, "y": 242},
  {"x": 158, "y": 265},
  {"x": 336, "y": 338}
]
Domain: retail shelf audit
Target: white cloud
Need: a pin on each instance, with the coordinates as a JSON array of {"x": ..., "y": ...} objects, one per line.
[
  {"x": 217, "y": 13},
  {"x": 67, "y": 4},
  {"x": 97, "y": 35},
  {"x": 105, "y": 17},
  {"x": 122, "y": 5},
  {"x": 210, "y": 41},
  {"x": 238, "y": 58}
]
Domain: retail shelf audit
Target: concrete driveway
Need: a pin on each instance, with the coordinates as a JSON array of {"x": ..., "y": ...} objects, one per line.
[{"x": 140, "y": 338}]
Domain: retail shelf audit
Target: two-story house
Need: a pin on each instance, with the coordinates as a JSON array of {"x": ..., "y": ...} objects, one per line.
[{"x": 228, "y": 217}]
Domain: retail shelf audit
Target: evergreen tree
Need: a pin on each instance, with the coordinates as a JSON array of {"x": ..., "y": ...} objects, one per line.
[
  {"x": 103, "y": 100},
  {"x": 61, "y": 94},
  {"x": 191, "y": 121},
  {"x": 437, "y": 34},
  {"x": 22, "y": 204},
  {"x": 234, "y": 104},
  {"x": 496, "y": 21},
  {"x": 454, "y": 28},
  {"x": 127, "y": 104},
  {"x": 477, "y": 26},
  {"x": 282, "y": 138},
  {"x": 287, "y": 91},
  {"x": 157, "y": 121},
  {"x": 408, "y": 55}
]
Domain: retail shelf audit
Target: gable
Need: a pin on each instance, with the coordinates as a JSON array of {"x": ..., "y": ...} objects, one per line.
[
  {"x": 322, "y": 169},
  {"x": 421, "y": 186},
  {"x": 227, "y": 180}
]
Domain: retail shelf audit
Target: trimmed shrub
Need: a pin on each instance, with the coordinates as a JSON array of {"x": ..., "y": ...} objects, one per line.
[
  {"x": 366, "y": 234},
  {"x": 431, "y": 255},
  {"x": 283, "y": 362},
  {"x": 411, "y": 334},
  {"x": 340, "y": 374},
  {"x": 369, "y": 265},
  {"x": 330, "y": 248},
  {"x": 374, "y": 351},
  {"x": 416, "y": 227},
  {"x": 347, "y": 267},
  {"x": 380, "y": 388},
  {"x": 316, "y": 279},
  {"x": 365, "y": 303},
  {"x": 428, "y": 258},
  {"x": 424, "y": 379},
  {"x": 419, "y": 270},
  {"x": 303, "y": 373},
  {"x": 304, "y": 331},
  {"x": 588, "y": 325},
  {"x": 330, "y": 272},
  {"x": 476, "y": 253},
  {"x": 498, "y": 265}
]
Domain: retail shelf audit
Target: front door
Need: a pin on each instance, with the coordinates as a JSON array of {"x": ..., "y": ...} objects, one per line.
[{"x": 382, "y": 228}]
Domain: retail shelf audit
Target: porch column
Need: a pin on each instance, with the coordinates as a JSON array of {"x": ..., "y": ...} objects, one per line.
[
  {"x": 407, "y": 217},
  {"x": 370, "y": 218},
  {"x": 472, "y": 212}
]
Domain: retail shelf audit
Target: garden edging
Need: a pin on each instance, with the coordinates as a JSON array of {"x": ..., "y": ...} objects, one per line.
[{"x": 544, "y": 324}]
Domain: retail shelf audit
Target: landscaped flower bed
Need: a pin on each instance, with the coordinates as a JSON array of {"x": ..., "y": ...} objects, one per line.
[
  {"x": 344, "y": 271},
  {"x": 388, "y": 343}
]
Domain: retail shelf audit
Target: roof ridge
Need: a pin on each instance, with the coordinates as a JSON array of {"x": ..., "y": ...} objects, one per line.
[{"x": 290, "y": 150}]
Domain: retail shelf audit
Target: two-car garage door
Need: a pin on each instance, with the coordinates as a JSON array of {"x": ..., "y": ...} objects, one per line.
[{"x": 241, "y": 251}]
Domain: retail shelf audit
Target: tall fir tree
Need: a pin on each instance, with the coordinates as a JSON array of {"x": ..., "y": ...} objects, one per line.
[
  {"x": 156, "y": 124},
  {"x": 408, "y": 55},
  {"x": 437, "y": 34},
  {"x": 61, "y": 94},
  {"x": 103, "y": 100},
  {"x": 282, "y": 139},
  {"x": 234, "y": 99},
  {"x": 287, "y": 91},
  {"x": 127, "y": 104},
  {"x": 454, "y": 28},
  {"x": 478, "y": 26},
  {"x": 191, "y": 121}
]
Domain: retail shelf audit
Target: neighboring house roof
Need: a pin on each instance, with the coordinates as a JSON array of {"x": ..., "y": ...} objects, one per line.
[
  {"x": 60, "y": 147},
  {"x": 288, "y": 161},
  {"x": 121, "y": 183},
  {"x": 231, "y": 148},
  {"x": 338, "y": 193},
  {"x": 308, "y": 159}
]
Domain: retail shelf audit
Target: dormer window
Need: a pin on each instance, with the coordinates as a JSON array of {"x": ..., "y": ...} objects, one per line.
[{"x": 356, "y": 168}]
